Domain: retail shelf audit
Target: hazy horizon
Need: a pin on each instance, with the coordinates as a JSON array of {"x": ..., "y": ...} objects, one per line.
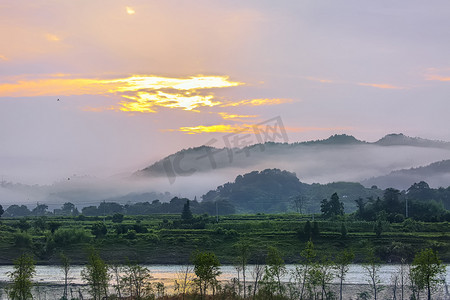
[{"x": 89, "y": 89}]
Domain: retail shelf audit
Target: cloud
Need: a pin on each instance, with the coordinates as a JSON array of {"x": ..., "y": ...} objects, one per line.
[
  {"x": 258, "y": 102},
  {"x": 319, "y": 79},
  {"x": 382, "y": 86},
  {"x": 130, "y": 10},
  {"x": 147, "y": 102},
  {"x": 2, "y": 57},
  {"x": 437, "y": 78},
  {"x": 140, "y": 93},
  {"x": 98, "y": 109},
  {"x": 52, "y": 38},
  {"x": 220, "y": 128},
  {"x": 247, "y": 128},
  {"x": 228, "y": 116}
]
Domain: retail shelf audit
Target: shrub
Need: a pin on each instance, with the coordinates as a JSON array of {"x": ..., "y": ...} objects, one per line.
[
  {"x": 68, "y": 236},
  {"x": 22, "y": 240}
]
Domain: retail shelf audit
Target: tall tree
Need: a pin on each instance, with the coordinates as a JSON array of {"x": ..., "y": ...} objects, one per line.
[
  {"x": 65, "y": 267},
  {"x": 40, "y": 210},
  {"x": 95, "y": 274},
  {"x": 137, "y": 281},
  {"x": 303, "y": 269},
  {"x": 21, "y": 278},
  {"x": 427, "y": 270},
  {"x": 1, "y": 210},
  {"x": 373, "y": 271},
  {"x": 332, "y": 208},
  {"x": 342, "y": 262},
  {"x": 275, "y": 270},
  {"x": 186, "y": 214},
  {"x": 391, "y": 199},
  {"x": 206, "y": 267},
  {"x": 243, "y": 249}
]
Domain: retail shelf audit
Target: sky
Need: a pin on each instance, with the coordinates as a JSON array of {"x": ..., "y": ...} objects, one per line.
[{"x": 101, "y": 88}]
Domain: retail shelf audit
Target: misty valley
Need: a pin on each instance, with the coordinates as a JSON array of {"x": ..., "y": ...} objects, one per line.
[{"x": 267, "y": 221}]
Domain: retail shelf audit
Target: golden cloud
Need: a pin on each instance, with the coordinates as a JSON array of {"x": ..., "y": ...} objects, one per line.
[
  {"x": 142, "y": 93},
  {"x": 146, "y": 102},
  {"x": 221, "y": 128},
  {"x": 258, "y": 102},
  {"x": 130, "y": 10},
  {"x": 227, "y": 116},
  {"x": 382, "y": 86},
  {"x": 247, "y": 128},
  {"x": 2, "y": 57}
]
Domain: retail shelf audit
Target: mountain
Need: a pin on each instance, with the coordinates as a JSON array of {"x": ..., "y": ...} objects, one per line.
[
  {"x": 274, "y": 191},
  {"x": 403, "y": 140},
  {"x": 338, "y": 158},
  {"x": 436, "y": 174}
]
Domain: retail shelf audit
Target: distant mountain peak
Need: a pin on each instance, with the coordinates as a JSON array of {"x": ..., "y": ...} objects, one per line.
[
  {"x": 343, "y": 139},
  {"x": 337, "y": 139},
  {"x": 399, "y": 139}
]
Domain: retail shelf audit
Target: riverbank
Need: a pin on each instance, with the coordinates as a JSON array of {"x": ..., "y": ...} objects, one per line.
[{"x": 49, "y": 281}]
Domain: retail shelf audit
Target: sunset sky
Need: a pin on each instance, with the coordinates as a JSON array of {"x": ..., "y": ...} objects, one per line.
[{"x": 138, "y": 80}]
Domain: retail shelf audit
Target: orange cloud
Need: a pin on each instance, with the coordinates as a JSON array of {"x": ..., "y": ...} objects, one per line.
[
  {"x": 227, "y": 116},
  {"x": 99, "y": 109},
  {"x": 258, "y": 102},
  {"x": 2, "y": 57},
  {"x": 221, "y": 128},
  {"x": 319, "y": 80},
  {"x": 382, "y": 86},
  {"x": 52, "y": 38},
  {"x": 437, "y": 78},
  {"x": 141, "y": 93}
]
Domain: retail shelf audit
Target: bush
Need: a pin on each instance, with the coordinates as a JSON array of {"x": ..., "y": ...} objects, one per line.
[
  {"x": 22, "y": 240},
  {"x": 131, "y": 234},
  {"x": 152, "y": 237},
  {"x": 68, "y": 236}
]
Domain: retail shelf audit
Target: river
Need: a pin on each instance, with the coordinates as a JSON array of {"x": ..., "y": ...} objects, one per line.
[{"x": 50, "y": 278}]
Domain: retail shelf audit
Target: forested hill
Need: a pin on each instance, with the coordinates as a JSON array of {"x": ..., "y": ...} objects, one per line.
[
  {"x": 273, "y": 190},
  {"x": 338, "y": 158},
  {"x": 438, "y": 173}
]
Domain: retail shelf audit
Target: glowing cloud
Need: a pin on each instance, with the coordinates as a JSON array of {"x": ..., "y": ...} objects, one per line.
[
  {"x": 130, "y": 10},
  {"x": 52, "y": 37},
  {"x": 227, "y": 116},
  {"x": 258, "y": 102},
  {"x": 221, "y": 128},
  {"x": 141, "y": 93},
  {"x": 145, "y": 102},
  {"x": 247, "y": 128},
  {"x": 2, "y": 57},
  {"x": 382, "y": 86}
]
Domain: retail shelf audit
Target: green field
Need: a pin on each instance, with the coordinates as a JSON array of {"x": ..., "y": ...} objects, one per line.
[{"x": 166, "y": 239}]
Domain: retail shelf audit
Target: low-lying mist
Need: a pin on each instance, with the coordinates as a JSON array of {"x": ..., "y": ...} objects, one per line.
[{"x": 193, "y": 177}]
